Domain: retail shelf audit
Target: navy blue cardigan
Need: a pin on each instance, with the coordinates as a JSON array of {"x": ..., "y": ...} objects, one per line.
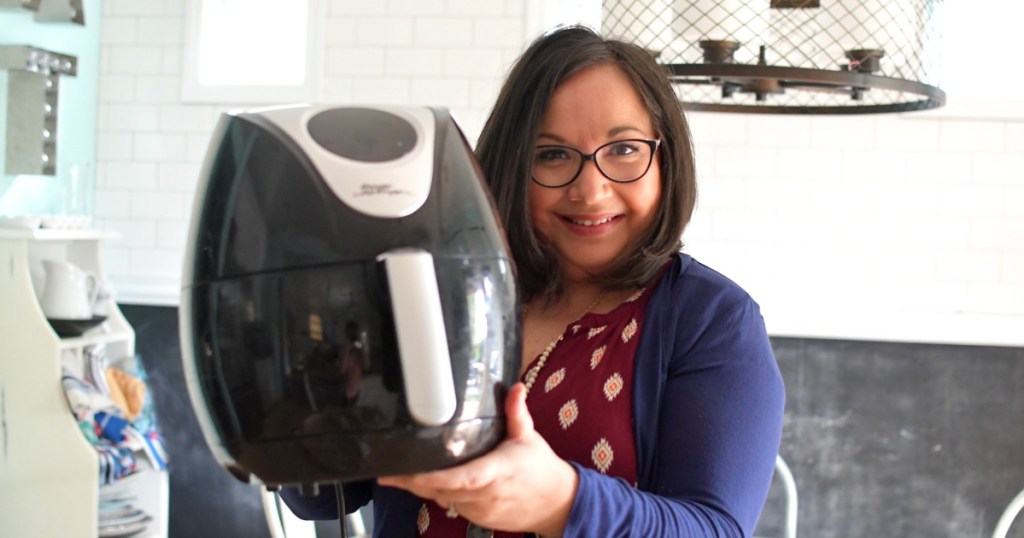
[{"x": 708, "y": 403}]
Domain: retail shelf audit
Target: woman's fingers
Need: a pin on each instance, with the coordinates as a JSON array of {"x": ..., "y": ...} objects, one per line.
[
  {"x": 499, "y": 487},
  {"x": 476, "y": 473}
]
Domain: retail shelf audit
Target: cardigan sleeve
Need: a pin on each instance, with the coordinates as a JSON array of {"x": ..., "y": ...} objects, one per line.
[{"x": 716, "y": 417}]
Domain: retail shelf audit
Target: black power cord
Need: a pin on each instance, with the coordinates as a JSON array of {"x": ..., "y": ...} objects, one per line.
[{"x": 340, "y": 494}]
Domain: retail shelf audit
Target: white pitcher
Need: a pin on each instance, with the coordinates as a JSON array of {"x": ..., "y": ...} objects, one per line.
[{"x": 69, "y": 292}]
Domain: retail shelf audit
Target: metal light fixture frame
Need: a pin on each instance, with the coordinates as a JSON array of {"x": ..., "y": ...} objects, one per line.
[{"x": 790, "y": 56}]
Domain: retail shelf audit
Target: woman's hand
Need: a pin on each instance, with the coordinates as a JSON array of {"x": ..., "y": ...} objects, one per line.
[{"x": 521, "y": 485}]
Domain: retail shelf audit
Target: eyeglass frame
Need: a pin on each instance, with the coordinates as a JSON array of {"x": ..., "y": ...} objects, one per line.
[{"x": 653, "y": 143}]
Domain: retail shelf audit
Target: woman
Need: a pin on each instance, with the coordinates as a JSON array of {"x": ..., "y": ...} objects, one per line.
[{"x": 651, "y": 404}]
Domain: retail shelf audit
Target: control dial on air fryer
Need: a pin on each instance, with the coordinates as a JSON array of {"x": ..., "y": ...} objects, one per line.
[{"x": 378, "y": 161}]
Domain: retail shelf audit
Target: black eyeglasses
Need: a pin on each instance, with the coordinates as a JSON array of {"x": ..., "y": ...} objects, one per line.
[{"x": 622, "y": 161}]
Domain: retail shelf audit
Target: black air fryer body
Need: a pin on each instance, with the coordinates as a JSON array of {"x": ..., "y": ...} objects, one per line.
[{"x": 348, "y": 304}]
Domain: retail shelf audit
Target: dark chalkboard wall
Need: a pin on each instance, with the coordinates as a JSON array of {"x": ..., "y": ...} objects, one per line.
[
  {"x": 205, "y": 501},
  {"x": 883, "y": 439},
  {"x": 900, "y": 440}
]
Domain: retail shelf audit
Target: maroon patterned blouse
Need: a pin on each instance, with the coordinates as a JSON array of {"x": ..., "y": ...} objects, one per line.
[{"x": 581, "y": 403}]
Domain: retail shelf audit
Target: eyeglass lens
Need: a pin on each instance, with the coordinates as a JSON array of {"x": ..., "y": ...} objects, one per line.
[{"x": 621, "y": 160}]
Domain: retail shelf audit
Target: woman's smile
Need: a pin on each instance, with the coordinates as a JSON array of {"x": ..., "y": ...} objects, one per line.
[{"x": 590, "y": 225}]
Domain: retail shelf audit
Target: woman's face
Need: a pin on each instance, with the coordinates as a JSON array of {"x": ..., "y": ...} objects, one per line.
[{"x": 593, "y": 219}]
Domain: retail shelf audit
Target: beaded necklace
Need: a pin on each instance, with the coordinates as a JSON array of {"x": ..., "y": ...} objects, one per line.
[{"x": 531, "y": 376}]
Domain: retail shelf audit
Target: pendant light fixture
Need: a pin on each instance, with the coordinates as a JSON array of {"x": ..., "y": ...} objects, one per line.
[{"x": 789, "y": 56}]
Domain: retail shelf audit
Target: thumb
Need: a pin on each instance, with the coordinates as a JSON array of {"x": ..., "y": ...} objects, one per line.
[{"x": 519, "y": 421}]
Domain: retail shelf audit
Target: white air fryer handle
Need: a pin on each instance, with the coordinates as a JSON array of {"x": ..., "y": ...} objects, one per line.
[{"x": 422, "y": 340}]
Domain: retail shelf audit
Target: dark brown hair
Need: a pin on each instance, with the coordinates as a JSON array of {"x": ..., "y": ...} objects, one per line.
[{"x": 505, "y": 150}]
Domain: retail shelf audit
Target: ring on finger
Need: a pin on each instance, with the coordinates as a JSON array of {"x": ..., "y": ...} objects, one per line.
[{"x": 451, "y": 513}]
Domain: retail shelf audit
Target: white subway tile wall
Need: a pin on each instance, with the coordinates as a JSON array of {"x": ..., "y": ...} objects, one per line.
[
  {"x": 885, "y": 226},
  {"x": 897, "y": 227}
]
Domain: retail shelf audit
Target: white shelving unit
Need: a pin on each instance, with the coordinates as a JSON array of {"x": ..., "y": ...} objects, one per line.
[{"x": 49, "y": 473}]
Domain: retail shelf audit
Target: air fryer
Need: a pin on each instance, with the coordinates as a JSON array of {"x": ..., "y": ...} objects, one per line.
[{"x": 348, "y": 307}]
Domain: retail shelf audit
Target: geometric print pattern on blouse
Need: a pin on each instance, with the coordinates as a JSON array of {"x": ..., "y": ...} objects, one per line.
[
  {"x": 581, "y": 403},
  {"x": 584, "y": 408}
]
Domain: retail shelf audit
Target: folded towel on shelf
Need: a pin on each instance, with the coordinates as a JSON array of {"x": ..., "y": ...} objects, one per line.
[
  {"x": 150, "y": 445},
  {"x": 116, "y": 462},
  {"x": 92, "y": 410},
  {"x": 120, "y": 432},
  {"x": 95, "y": 366}
]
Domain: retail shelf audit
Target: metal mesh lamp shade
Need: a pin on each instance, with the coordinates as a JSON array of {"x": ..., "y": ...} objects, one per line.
[{"x": 789, "y": 56}]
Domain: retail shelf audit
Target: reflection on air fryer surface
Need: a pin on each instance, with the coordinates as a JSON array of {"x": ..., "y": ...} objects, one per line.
[{"x": 331, "y": 389}]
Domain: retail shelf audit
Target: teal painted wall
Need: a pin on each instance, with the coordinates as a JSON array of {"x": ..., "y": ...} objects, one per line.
[{"x": 71, "y": 190}]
